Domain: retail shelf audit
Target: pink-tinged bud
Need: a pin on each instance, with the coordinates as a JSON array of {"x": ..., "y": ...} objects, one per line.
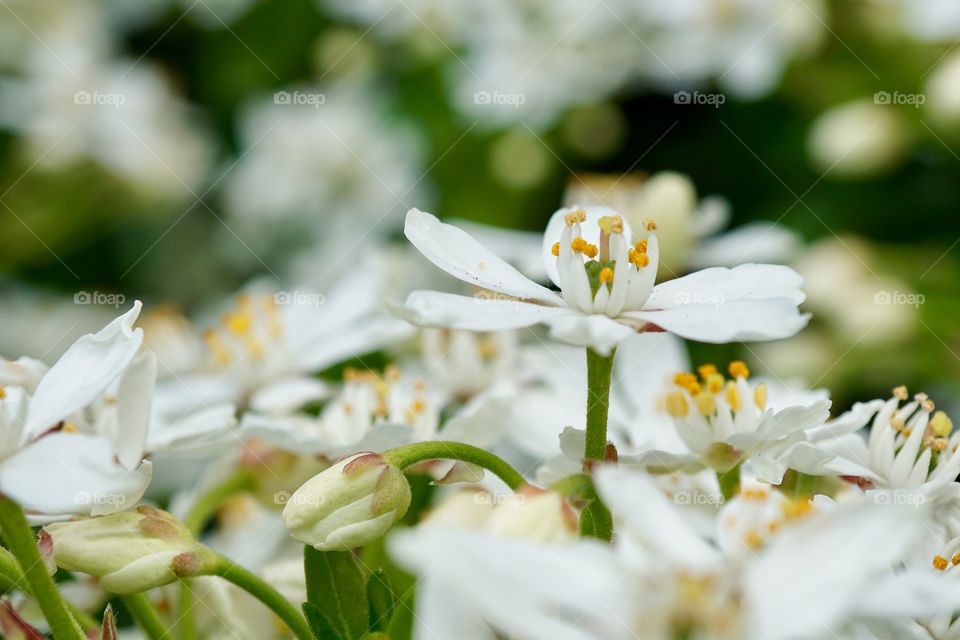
[
  {"x": 348, "y": 505},
  {"x": 130, "y": 551}
]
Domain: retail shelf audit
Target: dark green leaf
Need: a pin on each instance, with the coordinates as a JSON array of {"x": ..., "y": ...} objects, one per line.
[
  {"x": 320, "y": 625},
  {"x": 381, "y": 600},
  {"x": 336, "y": 585}
]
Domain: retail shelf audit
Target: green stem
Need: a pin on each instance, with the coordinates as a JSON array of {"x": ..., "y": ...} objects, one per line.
[
  {"x": 595, "y": 519},
  {"x": 84, "y": 619},
  {"x": 729, "y": 482},
  {"x": 11, "y": 579},
  {"x": 145, "y": 616},
  {"x": 188, "y": 629},
  {"x": 599, "y": 375},
  {"x": 208, "y": 503},
  {"x": 21, "y": 542},
  {"x": 269, "y": 596},
  {"x": 411, "y": 454}
]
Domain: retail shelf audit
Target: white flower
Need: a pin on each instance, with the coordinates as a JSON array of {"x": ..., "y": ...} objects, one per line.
[
  {"x": 603, "y": 301},
  {"x": 661, "y": 578},
  {"x": 908, "y": 447},
  {"x": 75, "y": 443},
  {"x": 859, "y": 139},
  {"x": 467, "y": 363},
  {"x": 724, "y": 423}
]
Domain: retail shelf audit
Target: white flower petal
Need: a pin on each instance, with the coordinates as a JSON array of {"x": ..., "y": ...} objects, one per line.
[
  {"x": 460, "y": 255},
  {"x": 285, "y": 395},
  {"x": 447, "y": 310},
  {"x": 134, "y": 397},
  {"x": 84, "y": 372},
  {"x": 719, "y": 285},
  {"x": 597, "y": 332},
  {"x": 68, "y": 473},
  {"x": 755, "y": 242},
  {"x": 731, "y": 321}
]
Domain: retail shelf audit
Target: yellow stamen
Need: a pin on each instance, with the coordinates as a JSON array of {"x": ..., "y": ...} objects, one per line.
[
  {"x": 650, "y": 224},
  {"x": 898, "y": 424},
  {"x": 940, "y": 563},
  {"x": 760, "y": 395},
  {"x": 488, "y": 349},
  {"x": 555, "y": 250},
  {"x": 753, "y": 539},
  {"x": 738, "y": 369},
  {"x": 706, "y": 370},
  {"x": 798, "y": 508},
  {"x": 418, "y": 406},
  {"x": 606, "y": 275},
  {"x": 590, "y": 251},
  {"x": 392, "y": 373},
  {"x": 578, "y": 244},
  {"x": 216, "y": 346},
  {"x": 641, "y": 246},
  {"x": 237, "y": 322},
  {"x": 576, "y": 216},
  {"x": 733, "y": 396},
  {"x": 610, "y": 224},
  {"x": 69, "y": 427},
  {"x": 706, "y": 404},
  {"x": 3, "y": 392},
  {"x": 677, "y": 405},
  {"x": 939, "y": 444},
  {"x": 347, "y": 408},
  {"x": 941, "y": 425},
  {"x": 754, "y": 494},
  {"x": 684, "y": 379},
  {"x": 637, "y": 259},
  {"x": 714, "y": 383},
  {"x": 955, "y": 560},
  {"x": 901, "y": 393}
]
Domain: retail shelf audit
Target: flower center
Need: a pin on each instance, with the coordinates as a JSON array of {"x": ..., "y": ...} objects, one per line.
[{"x": 246, "y": 331}]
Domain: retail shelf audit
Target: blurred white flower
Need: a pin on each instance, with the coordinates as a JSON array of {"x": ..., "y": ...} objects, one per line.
[
  {"x": 858, "y": 139},
  {"x": 321, "y": 165},
  {"x": 942, "y": 90},
  {"x": 601, "y": 302}
]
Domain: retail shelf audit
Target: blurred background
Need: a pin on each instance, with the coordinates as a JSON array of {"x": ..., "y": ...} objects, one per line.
[{"x": 174, "y": 150}]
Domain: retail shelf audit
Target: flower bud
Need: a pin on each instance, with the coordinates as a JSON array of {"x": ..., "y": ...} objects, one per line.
[
  {"x": 349, "y": 505},
  {"x": 534, "y": 514},
  {"x": 129, "y": 551}
]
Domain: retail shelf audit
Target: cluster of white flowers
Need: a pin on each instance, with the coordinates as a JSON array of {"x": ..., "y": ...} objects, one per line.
[{"x": 615, "y": 490}]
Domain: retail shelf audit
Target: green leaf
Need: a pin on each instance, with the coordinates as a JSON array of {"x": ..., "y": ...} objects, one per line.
[
  {"x": 596, "y": 522},
  {"x": 336, "y": 585},
  {"x": 381, "y": 600},
  {"x": 401, "y": 623},
  {"x": 320, "y": 625}
]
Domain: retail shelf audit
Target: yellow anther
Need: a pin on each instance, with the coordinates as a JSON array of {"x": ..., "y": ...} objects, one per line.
[
  {"x": 939, "y": 444},
  {"x": 590, "y": 251},
  {"x": 574, "y": 217},
  {"x": 641, "y": 246},
  {"x": 69, "y": 427},
  {"x": 715, "y": 383},
  {"x": 794, "y": 509},
  {"x": 606, "y": 275},
  {"x": 238, "y": 322},
  {"x": 706, "y": 370},
  {"x": 898, "y": 424},
  {"x": 650, "y": 224},
  {"x": 733, "y": 396},
  {"x": 350, "y": 374},
  {"x": 488, "y": 349},
  {"x": 347, "y": 408},
  {"x": 738, "y": 369},
  {"x": 940, "y": 563},
  {"x": 684, "y": 379},
  {"x": 3, "y": 392},
  {"x": 955, "y": 560},
  {"x": 754, "y": 494},
  {"x": 773, "y": 526},
  {"x": 928, "y": 405},
  {"x": 941, "y": 425},
  {"x": 418, "y": 406},
  {"x": 217, "y": 348},
  {"x": 760, "y": 395},
  {"x": 901, "y": 393},
  {"x": 610, "y": 224},
  {"x": 706, "y": 403},
  {"x": 677, "y": 405},
  {"x": 752, "y": 539},
  {"x": 637, "y": 259},
  {"x": 392, "y": 373},
  {"x": 578, "y": 244},
  {"x": 555, "y": 249}
]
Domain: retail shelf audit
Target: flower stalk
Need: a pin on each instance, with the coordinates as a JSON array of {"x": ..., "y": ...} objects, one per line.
[
  {"x": 599, "y": 376},
  {"x": 411, "y": 454},
  {"x": 20, "y": 540},
  {"x": 146, "y": 616}
]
